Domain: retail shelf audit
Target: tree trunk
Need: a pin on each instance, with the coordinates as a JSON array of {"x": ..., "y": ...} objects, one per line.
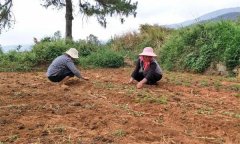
[{"x": 69, "y": 18}]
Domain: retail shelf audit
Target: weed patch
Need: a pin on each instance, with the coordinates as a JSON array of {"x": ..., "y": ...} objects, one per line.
[
  {"x": 145, "y": 97},
  {"x": 205, "y": 111},
  {"x": 126, "y": 108},
  {"x": 119, "y": 133}
]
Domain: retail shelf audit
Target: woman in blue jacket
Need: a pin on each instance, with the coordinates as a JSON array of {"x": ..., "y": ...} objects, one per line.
[{"x": 62, "y": 68}]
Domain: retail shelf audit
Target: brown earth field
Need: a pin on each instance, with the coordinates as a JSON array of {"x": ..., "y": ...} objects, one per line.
[{"x": 182, "y": 109}]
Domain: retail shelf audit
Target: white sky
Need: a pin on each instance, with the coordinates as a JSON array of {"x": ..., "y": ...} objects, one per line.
[{"x": 33, "y": 20}]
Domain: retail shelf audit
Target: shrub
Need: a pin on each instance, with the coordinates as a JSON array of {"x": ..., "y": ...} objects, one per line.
[
  {"x": 17, "y": 61},
  {"x": 194, "y": 48},
  {"x": 133, "y": 42},
  {"x": 1, "y": 51},
  {"x": 47, "y": 51},
  {"x": 86, "y": 48},
  {"x": 106, "y": 58}
]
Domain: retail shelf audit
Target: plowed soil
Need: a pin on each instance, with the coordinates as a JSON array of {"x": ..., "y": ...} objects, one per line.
[{"x": 182, "y": 109}]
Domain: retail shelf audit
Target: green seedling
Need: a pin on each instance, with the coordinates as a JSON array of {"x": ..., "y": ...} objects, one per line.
[
  {"x": 206, "y": 111},
  {"x": 119, "y": 133}
]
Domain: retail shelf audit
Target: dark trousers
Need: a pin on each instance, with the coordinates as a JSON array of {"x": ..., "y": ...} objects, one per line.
[
  {"x": 151, "y": 79},
  {"x": 60, "y": 76}
]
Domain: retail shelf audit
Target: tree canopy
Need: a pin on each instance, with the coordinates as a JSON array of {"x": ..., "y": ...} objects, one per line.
[
  {"x": 6, "y": 19},
  {"x": 98, "y": 8}
]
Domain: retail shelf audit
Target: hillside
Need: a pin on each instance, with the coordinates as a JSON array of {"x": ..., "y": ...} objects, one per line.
[
  {"x": 223, "y": 14},
  {"x": 228, "y": 16},
  {"x": 8, "y": 48}
]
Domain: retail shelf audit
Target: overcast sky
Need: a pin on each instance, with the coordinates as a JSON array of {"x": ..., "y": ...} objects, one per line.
[{"x": 33, "y": 20}]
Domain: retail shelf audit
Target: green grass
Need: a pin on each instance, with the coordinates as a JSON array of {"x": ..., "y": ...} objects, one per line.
[
  {"x": 129, "y": 89},
  {"x": 234, "y": 87},
  {"x": 217, "y": 85},
  {"x": 13, "y": 138},
  {"x": 59, "y": 129},
  {"x": 237, "y": 95},
  {"x": 105, "y": 85},
  {"x": 205, "y": 111},
  {"x": 231, "y": 114},
  {"x": 159, "y": 120},
  {"x": 145, "y": 97},
  {"x": 119, "y": 133},
  {"x": 126, "y": 108},
  {"x": 204, "y": 83},
  {"x": 237, "y": 116}
]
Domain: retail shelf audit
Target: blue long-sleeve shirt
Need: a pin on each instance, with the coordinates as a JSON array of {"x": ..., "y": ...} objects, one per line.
[{"x": 62, "y": 64}]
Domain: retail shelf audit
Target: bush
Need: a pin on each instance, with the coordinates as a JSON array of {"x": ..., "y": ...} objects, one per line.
[
  {"x": 194, "y": 48},
  {"x": 1, "y": 51},
  {"x": 17, "y": 61},
  {"x": 105, "y": 58},
  {"x": 47, "y": 51},
  {"x": 86, "y": 48},
  {"x": 133, "y": 42}
]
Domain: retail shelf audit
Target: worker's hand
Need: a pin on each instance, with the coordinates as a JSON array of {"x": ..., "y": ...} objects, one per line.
[
  {"x": 85, "y": 78},
  {"x": 139, "y": 85},
  {"x": 130, "y": 81}
]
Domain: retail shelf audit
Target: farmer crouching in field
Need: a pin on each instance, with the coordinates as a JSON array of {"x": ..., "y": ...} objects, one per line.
[
  {"x": 147, "y": 69},
  {"x": 62, "y": 68}
]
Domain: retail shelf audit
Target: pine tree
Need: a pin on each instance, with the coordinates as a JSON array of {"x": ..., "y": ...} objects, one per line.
[{"x": 98, "y": 8}]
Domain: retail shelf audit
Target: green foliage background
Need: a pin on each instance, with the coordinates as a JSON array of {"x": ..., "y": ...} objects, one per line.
[
  {"x": 132, "y": 43},
  {"x": 194, "y": 48},
  {"x": 104, "y": 57},
  {"x": 91, "y": 54},
  {"x": 191, "y": 49}
]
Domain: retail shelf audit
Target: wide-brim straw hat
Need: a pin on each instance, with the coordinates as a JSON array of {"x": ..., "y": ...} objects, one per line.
[
  {"x": 148, "y": 51},
  {"x": 72, "y": 52}
]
